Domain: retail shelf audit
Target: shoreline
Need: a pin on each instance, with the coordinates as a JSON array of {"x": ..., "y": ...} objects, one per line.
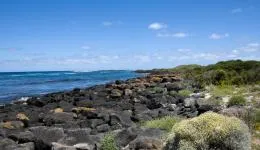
[
  {"x": 110, "y": 107},
  {"x": 13, "y": 99}
]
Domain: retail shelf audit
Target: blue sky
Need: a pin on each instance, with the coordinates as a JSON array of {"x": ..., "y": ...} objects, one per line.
[{"x": 86, "y": 35}]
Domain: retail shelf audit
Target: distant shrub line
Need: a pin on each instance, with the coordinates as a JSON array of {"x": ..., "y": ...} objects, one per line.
[{"x": 232, "y": 72}]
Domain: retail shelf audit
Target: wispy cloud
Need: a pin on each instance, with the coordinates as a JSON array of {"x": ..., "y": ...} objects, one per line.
[
  {"x": 157, "y": 26},
  {"x": 85, "y": 47},
  {"x": 251, "y": 47},
  {"x": 216, "y": 36},
  {"x": 142, "y": 58},
  {"x": 183, "y": 50},
  {"x": 9, "y": 49},
  {"x": 111, "y": 23},
  {"x": 236, "y": 10},
  {"x": 175, "y": 35}
]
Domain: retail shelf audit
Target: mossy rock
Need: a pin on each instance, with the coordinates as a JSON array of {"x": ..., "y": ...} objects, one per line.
[{"x": 210, "y": 131}]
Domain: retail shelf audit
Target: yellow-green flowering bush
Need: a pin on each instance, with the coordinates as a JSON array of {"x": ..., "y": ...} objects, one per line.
[{"x": 210, "y": 131}]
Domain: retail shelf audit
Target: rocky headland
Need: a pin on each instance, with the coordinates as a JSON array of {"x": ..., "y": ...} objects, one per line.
[{"x": 82, "y": 118}]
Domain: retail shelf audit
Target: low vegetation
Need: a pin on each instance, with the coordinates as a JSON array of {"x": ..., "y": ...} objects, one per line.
[
  {"x": 184, "y": 93},
  {"x": 237, "y": 100},
  {"x": 210, "y": 131},
  {"x": 165, "y": 123},
  {"x": 109, "y": 142}
]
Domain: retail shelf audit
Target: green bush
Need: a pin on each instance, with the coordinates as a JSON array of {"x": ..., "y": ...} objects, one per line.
[
  {"x": 185, "y": 93},
  {"x": 237, "y": 100},
  {"x": 210, "y": 131},
  {"x": 165, "y": 123},
  {"x": 219, "y": 76},
  {"x": 237, "y": 80},
  {"x": 108, "y": 142}
]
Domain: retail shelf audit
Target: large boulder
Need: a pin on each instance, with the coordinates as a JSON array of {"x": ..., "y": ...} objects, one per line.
[
  {"x": 58, "y": 118},
  {"x": 75, "y": 136},
  {"x": 46, "y": 135},
  {"x": 121, "y": 119},
  {"x": 8, "y": 144},
  {"x": 22, "y": 137},
  {"x": 12, "y": 125},
  {"x": 189, "y": 102}
]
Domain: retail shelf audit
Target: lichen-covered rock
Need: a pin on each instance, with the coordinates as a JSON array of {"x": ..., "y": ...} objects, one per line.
[
  {"x": 210, "y": 131},
  {"x": 22, "y": 116},
  {"x": 115, "y": 93},
  {"x": 12, "y": 125}
]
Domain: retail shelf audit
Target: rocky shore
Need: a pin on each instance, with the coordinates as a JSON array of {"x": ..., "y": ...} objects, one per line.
[{"x": 79, "y": 119}]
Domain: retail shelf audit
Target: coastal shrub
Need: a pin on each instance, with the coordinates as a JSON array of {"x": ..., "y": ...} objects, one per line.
[
  {"x": 237, "y": 80},
  {"x": 185, "y": 93},
  {"x": 108, "y": 142},
  {"x": 237, "y": 100},
  {"x": 165, "y": 123},
  {"x": 247, "y": 114},
  {"x": 210, "y": 131},
  {"x": 219, "y": 76}
]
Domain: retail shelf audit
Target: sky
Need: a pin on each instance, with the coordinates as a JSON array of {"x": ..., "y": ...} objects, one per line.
[{"x": 86, "y": 35}]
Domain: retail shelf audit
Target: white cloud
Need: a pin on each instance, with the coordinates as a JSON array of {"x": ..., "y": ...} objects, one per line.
[
  {"x": 236, "y": 10},
  {"x": 107, "y": 23},
  {"x": 251, "y": 47},
  {"x": 142, "y": 58},
  {"x": 216, "y": 36},
  {"x": 157, "y": 26},
  {"x": 183, "y": 50},
  {"x": 235, "y": 51},
  {"x": 85, "y": 47},
  {"x": 111, "y": 23},
  {"x": 253, "y": 44},
  {"x": 175, "y": 35}
]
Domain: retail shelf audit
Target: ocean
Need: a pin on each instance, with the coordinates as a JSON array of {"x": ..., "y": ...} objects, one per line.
[{"x": 21, "y": 85}]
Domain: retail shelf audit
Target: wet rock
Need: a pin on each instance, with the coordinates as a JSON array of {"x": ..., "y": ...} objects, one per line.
[{"x": 36, "y": 102}]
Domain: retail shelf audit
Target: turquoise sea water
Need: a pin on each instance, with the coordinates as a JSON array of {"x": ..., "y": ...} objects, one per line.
[{"x": 17, "y": 85}]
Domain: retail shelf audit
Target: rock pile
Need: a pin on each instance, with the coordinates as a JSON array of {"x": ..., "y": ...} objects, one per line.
[{"x": 78, "y": 119}]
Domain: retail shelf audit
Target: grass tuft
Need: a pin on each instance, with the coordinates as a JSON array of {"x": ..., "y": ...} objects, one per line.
[{"x": 165, "y": 123}]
